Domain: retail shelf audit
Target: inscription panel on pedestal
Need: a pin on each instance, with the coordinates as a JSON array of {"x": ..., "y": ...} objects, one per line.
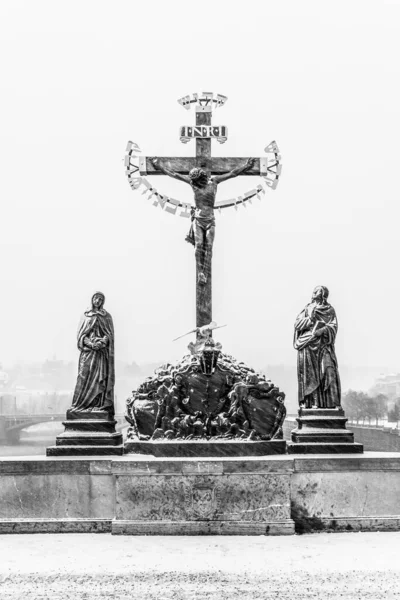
[{"x": 204, "y": 497}]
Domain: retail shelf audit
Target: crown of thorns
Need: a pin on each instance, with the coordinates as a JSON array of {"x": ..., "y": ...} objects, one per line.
[{"x": 197, "y": 173}]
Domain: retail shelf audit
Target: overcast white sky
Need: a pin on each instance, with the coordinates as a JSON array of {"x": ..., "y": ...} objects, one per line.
[{"x": 80, "y": 78}]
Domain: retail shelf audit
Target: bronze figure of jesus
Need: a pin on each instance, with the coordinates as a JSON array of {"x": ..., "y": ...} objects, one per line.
[{"x": 203, "y": 220}]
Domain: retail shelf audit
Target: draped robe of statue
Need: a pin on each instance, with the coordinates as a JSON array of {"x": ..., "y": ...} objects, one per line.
[
  {"x": 94, "y": 389},
  {"x": 317, "y": 368}
]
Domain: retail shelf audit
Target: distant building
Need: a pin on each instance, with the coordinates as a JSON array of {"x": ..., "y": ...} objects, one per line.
[
  {"x": 3, "y": 378},
  {"x": 388, "y": 385}
]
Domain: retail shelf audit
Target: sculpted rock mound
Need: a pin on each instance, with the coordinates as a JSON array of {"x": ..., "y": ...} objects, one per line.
[{"x": 206, "y": 396}]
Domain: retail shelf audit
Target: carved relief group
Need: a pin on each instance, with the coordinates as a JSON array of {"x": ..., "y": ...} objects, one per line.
[{"x": 207, "y": 395}]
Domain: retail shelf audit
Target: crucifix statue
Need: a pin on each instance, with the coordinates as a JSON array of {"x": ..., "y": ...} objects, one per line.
[
  {"x": 202, "y": 232},
  {"x": 207, "y": 395},
  {"x": 203, "y": 173}
]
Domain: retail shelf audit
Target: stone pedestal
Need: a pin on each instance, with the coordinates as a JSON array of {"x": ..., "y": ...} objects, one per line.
[
  {"x": 144, "y": 495},
  {"x": 214, "y": 448},
  {"x": 87, "y": 434},
  {"x": 322, "y": 431},
  {"x": 202, "y": 496}
]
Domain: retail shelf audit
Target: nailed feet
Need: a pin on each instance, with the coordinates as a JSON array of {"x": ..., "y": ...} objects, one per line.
[{"x": 202, "y": 278}]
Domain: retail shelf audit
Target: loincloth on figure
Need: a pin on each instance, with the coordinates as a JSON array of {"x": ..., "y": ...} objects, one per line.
[{"x": 205, "y": 223}]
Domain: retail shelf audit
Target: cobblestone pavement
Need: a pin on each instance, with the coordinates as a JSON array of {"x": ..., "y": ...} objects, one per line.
[{"x": 90, "y": 566}]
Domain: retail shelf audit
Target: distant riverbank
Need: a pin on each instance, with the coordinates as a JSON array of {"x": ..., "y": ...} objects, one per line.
[{"x": 34, "y": 441}]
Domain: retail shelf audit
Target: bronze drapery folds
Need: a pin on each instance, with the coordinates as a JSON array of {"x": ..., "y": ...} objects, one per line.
[
  {"x": 315, "y": 332},
  {"x": 94, "y": 390}
]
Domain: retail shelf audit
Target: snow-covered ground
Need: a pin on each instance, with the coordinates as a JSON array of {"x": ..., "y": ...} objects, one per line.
[{"x": 90, "y": 566}]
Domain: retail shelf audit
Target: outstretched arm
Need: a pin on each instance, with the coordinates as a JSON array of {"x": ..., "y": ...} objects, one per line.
[
  {"x": 235, "y": 172},
  {"x": 156, "y": 164}
]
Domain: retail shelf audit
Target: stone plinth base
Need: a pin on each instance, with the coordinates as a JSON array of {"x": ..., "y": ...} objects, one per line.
[
  {"x": 55, "y": 526},
  {"x": 346, "y": 493},
  {"x": 322, "y": 431},
  {"x": 85, "y": 450},
  {"x": 206, "y": 449},
  {"x": 185, "y": 496},
  {"x": 202, "y": 528},
  {"x": 144, "y": 495},
  {"x": 324, "y": 448},
  {"x": 89, "y": 433}
]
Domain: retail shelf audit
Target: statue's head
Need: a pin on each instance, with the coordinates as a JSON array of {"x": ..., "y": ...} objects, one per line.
[
  {"x": 167, "y": 380},
  {"x": 252, "y": 379},
  {"x": 178, "y": 379},
  {"x": 209, "y": 356},
  {"x": 320, "y": 294},
  {"x": 198, "y": 177},
  {"x": 146, "y": 384},
  {"x": 98, "y": 300}
]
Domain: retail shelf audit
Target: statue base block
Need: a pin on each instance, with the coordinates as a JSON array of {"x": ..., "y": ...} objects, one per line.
[
  {"x": 202, "y": 496},
  {"x": 85, "y": 450},
  {"x": 284, "y": 527},
  {"x": 206, "y": 448},
  {"x": 324, "y": 448},
  {"x": 323, "y": 431},
  {"x": 89, "y": 433}
]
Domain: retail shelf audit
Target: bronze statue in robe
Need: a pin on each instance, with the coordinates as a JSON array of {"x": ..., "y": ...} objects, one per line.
[
  {"x": 94, "y": 390},
  {"x": 315, "y": 332}
]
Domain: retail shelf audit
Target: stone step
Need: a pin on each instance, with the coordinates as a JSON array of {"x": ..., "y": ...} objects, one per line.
[
  {"x": 90, "y": 415},
  {"x": 323, "y": 435},
  {"x": 322, "y": 430},
  {"x": 215, "y": 448},
  {"x": 90, "y": 425},
  {"x": 89, "y": 438},
  {"x": 85, "y": 450},
  {"x": 321, "y": 412},
  {"x": 322, "y": 422},
  {"x": 312, "y": 418},
  {"x": 324, "y": 448}
]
